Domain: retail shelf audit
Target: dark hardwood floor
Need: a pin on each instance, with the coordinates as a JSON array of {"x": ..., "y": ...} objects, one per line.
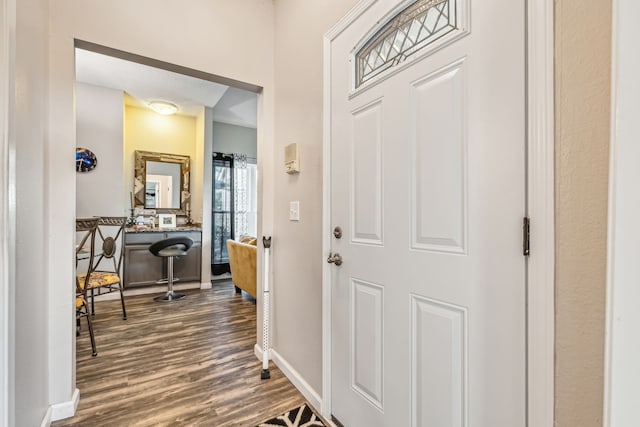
[{"x": 185, "y": 363}]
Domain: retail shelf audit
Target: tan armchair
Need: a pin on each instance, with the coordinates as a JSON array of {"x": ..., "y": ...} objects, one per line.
[{"x": 242, "y": 260}]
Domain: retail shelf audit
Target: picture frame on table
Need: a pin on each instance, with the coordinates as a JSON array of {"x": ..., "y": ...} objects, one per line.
[{"x": 166, "y": 220}]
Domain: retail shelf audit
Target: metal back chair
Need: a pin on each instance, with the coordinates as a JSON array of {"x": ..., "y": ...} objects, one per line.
[
  {"x": 85, "y": 251},
  {"x": 106, "y": 274}
]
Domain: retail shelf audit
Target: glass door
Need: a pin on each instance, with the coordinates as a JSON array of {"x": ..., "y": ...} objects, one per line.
[{"x": 222, "y": 214}]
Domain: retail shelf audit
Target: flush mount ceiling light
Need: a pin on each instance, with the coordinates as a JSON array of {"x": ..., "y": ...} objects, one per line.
[{"x": 163, "y": 107}]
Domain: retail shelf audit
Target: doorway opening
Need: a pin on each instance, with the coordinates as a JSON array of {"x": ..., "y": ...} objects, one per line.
[{"x": 114, "y": 90}]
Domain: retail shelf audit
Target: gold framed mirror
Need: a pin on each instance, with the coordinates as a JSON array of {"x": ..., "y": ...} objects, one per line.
[{"x": 161, "y": 182}]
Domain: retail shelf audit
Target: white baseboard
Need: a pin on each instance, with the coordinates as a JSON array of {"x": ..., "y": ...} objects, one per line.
[
  {"x": 296, "y": 379},
  {"x": 46, "y": 421},
  {"x": 258, "y": 352},
  {"x": 60, "y": 411},
  {"x": 205, "y": 285},
  {"x": 307, "y": 391}
]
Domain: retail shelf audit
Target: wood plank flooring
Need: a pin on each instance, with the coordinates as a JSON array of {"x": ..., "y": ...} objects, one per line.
[{"x": 185, "y": 363}]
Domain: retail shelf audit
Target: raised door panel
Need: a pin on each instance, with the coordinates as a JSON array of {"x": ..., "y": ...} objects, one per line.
[
  {"x": 439, "y": 360},
  {"x": 366, "y": 175},
  {"x": 439, "y": 166},
  {"x": 367, "y": 301}
]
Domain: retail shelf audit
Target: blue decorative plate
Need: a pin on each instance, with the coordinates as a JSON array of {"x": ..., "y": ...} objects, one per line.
[{"x": 85, "y": 160}]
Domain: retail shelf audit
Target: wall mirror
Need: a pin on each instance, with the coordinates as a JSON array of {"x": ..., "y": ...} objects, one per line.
[{"x": 161, "y": 182}]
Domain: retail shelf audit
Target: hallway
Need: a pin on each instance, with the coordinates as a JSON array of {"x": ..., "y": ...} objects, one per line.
[{"x": 187, "y": 363}]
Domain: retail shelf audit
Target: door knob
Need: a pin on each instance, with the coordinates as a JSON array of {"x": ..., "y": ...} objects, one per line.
[{"x": 335, "y": 259}]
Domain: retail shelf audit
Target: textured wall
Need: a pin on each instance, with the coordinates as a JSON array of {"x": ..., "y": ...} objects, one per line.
[
  {"x": 583, "y": 49},
  {"x": 28, "y": 140},
  {"x": 99, "y": 127},
  {"x": 299, "y": 29},
  {"x": 229, "y": 138}
]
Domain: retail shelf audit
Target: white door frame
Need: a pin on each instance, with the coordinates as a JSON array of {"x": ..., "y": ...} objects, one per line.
[
  {"x": 622, "y": 348},
  {"x": 540, "y": 208},
  {"x": 7, "y": 206}
]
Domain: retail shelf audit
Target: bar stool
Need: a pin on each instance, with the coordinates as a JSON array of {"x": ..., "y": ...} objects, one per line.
[{"x": 169, "y": 249}]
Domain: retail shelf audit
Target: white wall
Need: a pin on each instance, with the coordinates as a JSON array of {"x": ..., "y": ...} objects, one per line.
[
  {"x": 297, "y": 246},
  {"x": 60, "y": 221},
  {"x": 132, "y": 27},
  {"x": 623, "y": 293},
  {"x": 235, "y": 139},
  {"x": 7, "y": 183},
  {"x": 99, "y": 128},
  {"x": 202, "y": 172},
  {"x": 28, "y": 137}
]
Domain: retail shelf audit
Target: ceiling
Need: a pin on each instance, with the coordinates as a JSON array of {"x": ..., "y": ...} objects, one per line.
[{"x": 144, "y": 84}]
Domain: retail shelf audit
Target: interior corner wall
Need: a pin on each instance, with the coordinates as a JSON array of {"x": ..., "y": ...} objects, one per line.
[
  {"x": 229, "y": 139},
  {"x": 203, "y": 213},
  {"x": 7, "y": 236},
  {"x": 197, "y": 167},
  {"x": 28, "y": 127},
  {"x": 297, "y": 248},
  {"x": 99, "y": 128},
  {"x": 582, "y": 103}
]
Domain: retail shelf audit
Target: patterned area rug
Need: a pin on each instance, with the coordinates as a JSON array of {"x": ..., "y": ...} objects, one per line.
[{"x": 299, "y": 417}]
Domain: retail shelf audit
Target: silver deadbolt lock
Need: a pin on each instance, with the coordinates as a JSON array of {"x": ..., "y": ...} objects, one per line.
[{"x": 337, "y": 232}]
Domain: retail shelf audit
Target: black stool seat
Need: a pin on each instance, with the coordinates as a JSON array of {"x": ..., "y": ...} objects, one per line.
[
  {"x": 169, "y": 249},
  {"x": 181, "y": 243}
]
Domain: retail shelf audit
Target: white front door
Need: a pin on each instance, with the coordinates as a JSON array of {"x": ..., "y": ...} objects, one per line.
[{"x": 428, "y": 186}]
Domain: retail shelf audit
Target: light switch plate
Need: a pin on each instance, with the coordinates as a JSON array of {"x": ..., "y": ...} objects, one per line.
[{"x": 294, "y": 211}]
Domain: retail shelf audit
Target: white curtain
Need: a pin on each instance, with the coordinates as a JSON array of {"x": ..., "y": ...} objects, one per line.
[{"x": 244, "y": 196}]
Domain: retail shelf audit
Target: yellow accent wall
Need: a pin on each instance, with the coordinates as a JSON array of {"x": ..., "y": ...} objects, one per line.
[{"x": 147, "y": 130}]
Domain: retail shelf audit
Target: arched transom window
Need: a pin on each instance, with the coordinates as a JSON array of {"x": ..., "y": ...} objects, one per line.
[{"x": 419, "y": 25}]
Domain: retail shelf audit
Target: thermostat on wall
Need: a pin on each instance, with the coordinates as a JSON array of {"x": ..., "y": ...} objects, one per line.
[{"x": 292, "y": 158}]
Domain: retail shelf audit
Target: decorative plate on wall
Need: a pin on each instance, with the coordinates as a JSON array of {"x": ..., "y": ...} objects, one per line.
[{"x": 85, "y": 160}]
